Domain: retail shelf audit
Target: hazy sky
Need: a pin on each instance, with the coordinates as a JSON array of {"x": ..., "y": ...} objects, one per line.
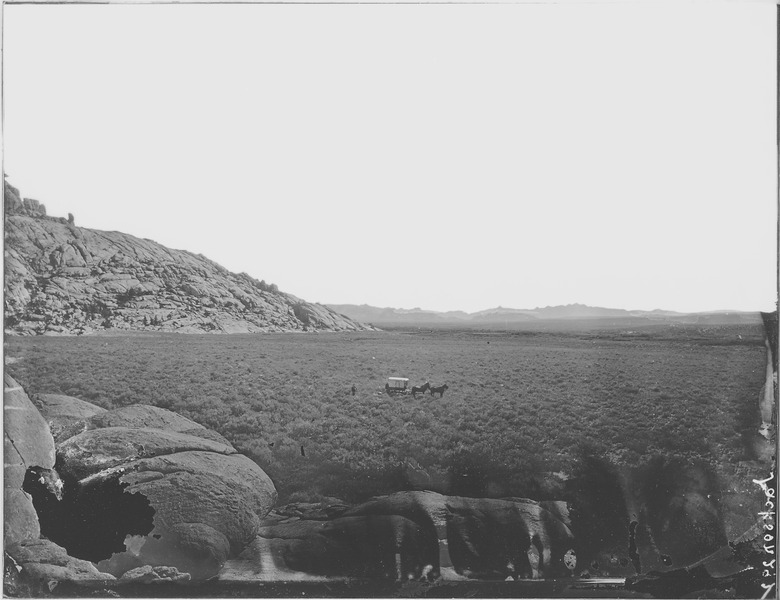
[{"x": 440, "y": 156}]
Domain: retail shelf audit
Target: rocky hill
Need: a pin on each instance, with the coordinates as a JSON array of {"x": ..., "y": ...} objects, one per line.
[{"x": 64, "y": 279}]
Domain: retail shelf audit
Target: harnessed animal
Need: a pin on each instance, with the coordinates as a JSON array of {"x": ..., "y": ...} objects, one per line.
[
  {"x": 420, "y": 389},
  {"x": 439, "y": 390}
]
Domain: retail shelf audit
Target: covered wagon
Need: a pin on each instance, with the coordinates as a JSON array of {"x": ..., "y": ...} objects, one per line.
[{"x": 397, "y": 385}]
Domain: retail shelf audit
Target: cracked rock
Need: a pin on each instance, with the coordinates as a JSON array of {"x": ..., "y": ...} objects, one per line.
[
  {"x": 27, "y": 444},
  {"x": 151, "y": 488}
]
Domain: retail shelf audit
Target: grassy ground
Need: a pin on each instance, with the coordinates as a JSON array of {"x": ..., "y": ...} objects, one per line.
[{"x": 520, "y": 407}]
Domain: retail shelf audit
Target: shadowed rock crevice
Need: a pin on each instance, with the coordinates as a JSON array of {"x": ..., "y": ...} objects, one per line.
[
  {"x": 682, "y": 508},
  {"x": 633, "y": 553},
  {"x": 91, "y": 522},
  {"x": 664, "y": 512},
  {"x": 145, "y": 486},
  {"x": 484, "y": 543},
  {"x": 598, "y": 512},
  {"x": 483, "y": 538}
]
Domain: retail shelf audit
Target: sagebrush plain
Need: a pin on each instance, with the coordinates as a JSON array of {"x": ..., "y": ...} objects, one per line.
[{"x": 520, "y": 410}]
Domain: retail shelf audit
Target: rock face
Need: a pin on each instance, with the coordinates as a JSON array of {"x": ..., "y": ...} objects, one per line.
[
  {"x": 143, "y": 487},
  {"x": 29, "y": 467},
  {"x": 147, "y": 487},
  {"x": 413, "y": 535},
  {"x": 148, "y": 574},
  {"x": 68, "y": 416},
  {"x": 28, "y": 444},
  {"x": 63, "y": 279},
  {"x": 485, "y": 537},
  {"x": 372, "y": 546},
  {"x": 45, "y": 561},
  {"x": 663, "y": 514},
  {"x": 27, "y": 206},
  {"x": 65, "y": 415}
]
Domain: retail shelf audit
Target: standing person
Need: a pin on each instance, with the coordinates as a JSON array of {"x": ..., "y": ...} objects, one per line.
[{"x": 354, "y": 389}]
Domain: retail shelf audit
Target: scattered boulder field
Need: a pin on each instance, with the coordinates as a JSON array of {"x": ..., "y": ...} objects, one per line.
[{"x": 61, "y": 279}]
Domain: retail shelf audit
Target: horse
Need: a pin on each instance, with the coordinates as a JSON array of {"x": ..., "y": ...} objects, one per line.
[
  {"x": 439, "y": 390},
  {"x": 420, "y": 389}
]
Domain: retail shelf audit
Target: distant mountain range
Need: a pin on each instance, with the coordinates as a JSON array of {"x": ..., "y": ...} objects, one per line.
[{"x": 504, "y": 317}]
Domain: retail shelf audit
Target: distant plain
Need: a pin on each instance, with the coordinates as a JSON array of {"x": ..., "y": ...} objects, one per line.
[{"x": 521, "y": 408}]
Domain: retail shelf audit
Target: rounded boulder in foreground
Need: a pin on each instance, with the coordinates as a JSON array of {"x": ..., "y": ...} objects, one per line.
[
  {"x": 171, "y": 493},
  {"x": 66, "y": 415},
  {"x": 46, "y": 561},
  {"x": 207, "y": 509},
  {"x": 138, "y": 416},
  {"x": 53, "y": 406},
  {"x": 96, "y": 450}
]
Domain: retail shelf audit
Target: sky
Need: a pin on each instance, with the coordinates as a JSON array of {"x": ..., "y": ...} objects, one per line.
[{"x": 442, "y": 156}]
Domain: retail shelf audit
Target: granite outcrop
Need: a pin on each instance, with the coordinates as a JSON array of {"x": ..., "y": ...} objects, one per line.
[
  {"x": 69, "y": 280},
  {"x": 136, "y": 493}
]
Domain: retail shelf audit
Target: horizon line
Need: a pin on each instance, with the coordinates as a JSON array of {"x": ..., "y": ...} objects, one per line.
[{"x": 580, "y": 304}]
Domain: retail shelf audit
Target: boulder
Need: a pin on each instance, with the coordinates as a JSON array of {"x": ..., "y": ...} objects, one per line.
[
  {"x": 327, "y": 508},
  {"x": 20, "y": 521},
  {"x": 227, "y": 493},
  {"x": 28, "y": 444},
  {"x": 412, "y": 505},
  {"x": 14, "y": 204},
  {"x": 206, "y": 508},
  {"x": 54, "y": 406},
  {"x": 664, "y": 513},
  {"x": 601, "y": 518},
  {"x": 152, "y": 488},
  {"x": 28, "y": 441},
  {"x": 680, "y": 510},
  {"x": 549, "y": 527},
  {"x": 66, "y": 415},
  {"x": 44, "y": 560},
  {"x": 427, "y": 509},
  {"x": 486, "y": 538},
  {"x": 34, "y": 208},
  {"x": 370, "y": 546},
  {"x": 490, "y": 538},
  {"x": 435, "y": 535},
  {"x": 11, "y": 198},
  {"x": 96, "y": 450},
  {"x": 149, "y": 574},
  {"x": 264, "y": 560},
  {"x": 138, "y": 416}
]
